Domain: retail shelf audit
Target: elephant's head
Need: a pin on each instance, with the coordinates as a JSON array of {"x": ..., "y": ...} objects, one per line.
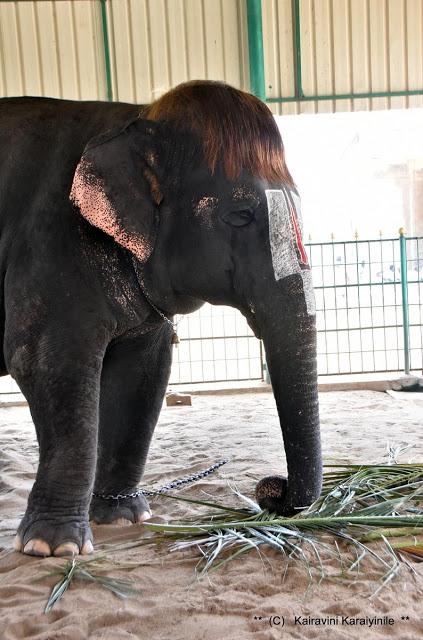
[{"x": 198, "y": 191}]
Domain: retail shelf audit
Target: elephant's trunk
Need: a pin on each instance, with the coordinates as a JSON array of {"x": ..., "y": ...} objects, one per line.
[{"x": 289, "y": 337}]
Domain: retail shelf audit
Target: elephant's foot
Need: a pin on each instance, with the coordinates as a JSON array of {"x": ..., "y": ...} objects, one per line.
[
  {"x": 121, "y": 512},
  {"x": 271, "y": 493},
  {"x": 52, "y": 537}
]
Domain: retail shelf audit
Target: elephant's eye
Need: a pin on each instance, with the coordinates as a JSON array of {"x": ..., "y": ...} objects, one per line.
[{"x": 239, "y": 217}]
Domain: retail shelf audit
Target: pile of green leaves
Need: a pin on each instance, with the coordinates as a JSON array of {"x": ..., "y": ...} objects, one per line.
[{"x": 358, "y": 504}]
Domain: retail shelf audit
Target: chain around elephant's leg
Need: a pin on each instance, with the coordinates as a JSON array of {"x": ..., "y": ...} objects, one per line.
[{"x": 133, "y": 383}]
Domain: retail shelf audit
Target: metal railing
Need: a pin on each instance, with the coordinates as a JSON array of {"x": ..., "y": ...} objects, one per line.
[
  {"x": 364, "y": 320},
  {"x": 369, "y": 314},
  {"x": 216, "y": 345}
]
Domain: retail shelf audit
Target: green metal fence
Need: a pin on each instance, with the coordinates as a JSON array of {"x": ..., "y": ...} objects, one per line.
[
  {"x": 216, "y": 345},
  {"x": 369, "y": 315},
  {"x": 413, "y": 305},
  {"x": 368, "y": 299}
]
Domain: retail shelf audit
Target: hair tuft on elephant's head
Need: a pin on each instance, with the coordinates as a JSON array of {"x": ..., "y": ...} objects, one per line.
[{"x": 235, "y": 127}]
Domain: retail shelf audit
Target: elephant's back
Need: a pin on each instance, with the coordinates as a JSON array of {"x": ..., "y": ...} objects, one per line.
[{"x": 41, "y": 141}]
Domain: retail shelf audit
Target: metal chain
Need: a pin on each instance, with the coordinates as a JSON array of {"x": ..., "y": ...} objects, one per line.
[
  {"x": 150, "y": 302},
  {"x": 175, "y": 484},
  {"x": 161, "y": 314}
]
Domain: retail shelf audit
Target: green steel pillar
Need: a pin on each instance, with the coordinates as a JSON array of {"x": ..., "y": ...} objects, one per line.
[
  {"x": 404, "y": 292},
  {"x": 255, "y": 48},
  {"x": 106, "y": 49},
  {"x": 297, "y": 49}
]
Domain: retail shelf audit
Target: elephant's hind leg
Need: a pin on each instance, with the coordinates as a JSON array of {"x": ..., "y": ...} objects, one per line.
[{"x": 133, "y": 383}]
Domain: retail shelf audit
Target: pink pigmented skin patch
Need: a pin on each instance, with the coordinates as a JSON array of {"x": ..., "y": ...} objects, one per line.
[
  {"x": 88, "y": 195},
  {"x": 205, "y": 210},
  {"x": 245, "y": 193}
]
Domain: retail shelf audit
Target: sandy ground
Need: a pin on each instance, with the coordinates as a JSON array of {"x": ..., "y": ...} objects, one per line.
[{"x": 356, "y": 427}]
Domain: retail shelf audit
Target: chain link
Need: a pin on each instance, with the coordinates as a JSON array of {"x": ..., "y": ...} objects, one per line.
[
  {"x": 148, "y": 299},
  {"x": 175, "y": 484}
]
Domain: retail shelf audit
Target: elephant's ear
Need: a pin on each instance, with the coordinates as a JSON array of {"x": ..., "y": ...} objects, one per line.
[{"x": 116, "y": 187}]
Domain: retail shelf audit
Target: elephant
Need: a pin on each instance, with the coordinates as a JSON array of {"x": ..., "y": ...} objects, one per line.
[{"x": 114, "y": 218}]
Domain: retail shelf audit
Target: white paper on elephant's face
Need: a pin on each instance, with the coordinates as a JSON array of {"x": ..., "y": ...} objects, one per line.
[{"x": 282, "y": 245}]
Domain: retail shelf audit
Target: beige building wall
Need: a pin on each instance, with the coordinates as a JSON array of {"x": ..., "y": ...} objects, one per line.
[
  {"x": 156, "y": 44},
  {"x": 52, "y": 48},
  {"x": 56, "y": 48},
  {"x": 347, "y": 46}
]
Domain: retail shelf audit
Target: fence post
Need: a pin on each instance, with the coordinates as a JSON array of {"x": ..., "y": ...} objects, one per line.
[
  {"x": 264, "y": 370},
  {"x": 404, "y": 292}
]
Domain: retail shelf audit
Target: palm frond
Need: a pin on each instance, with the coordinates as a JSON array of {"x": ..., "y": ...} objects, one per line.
[
  {"x": 358, "y": 504},
  {"x": 81, "y": 570}
]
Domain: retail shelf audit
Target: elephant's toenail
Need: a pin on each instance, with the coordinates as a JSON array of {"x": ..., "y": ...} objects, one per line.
[
  {"x": 121, "y": 522},
  {"x": 67, "y": 549},
  {"x": 37, "y": 548},
  {"x": 17, "y": 543},
  {"x": 146, "y": 515},
  {"x": 87, "y": 548}
]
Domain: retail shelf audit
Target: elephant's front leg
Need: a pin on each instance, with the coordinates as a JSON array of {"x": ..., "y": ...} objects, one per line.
[
  {"x": 133, "y": 383},
  {"x": 60, "y": 376}
]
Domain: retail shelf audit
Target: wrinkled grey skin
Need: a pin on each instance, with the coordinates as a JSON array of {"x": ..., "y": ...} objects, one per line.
[{"x": 88, "y": 351}]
